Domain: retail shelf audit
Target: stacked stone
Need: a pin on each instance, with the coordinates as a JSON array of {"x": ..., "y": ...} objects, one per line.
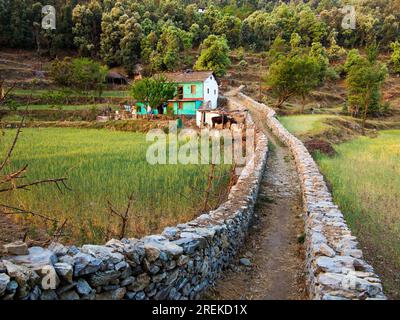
[
  {"x": 335, "y": 265},
  {"x": 179, "y": 264}
]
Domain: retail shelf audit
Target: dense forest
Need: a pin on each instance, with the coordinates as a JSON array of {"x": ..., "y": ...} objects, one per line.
[{"x": 159, "y": 32}]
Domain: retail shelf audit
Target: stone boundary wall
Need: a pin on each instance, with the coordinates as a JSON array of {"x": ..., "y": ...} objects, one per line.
[
  {"x": 334, "y": 264},
  {"x": 179, "y": 264}
]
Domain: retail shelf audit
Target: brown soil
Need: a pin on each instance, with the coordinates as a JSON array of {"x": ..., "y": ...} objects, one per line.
[
  {"x": 273, "y": 246},
  {"x": 20, "y": 65},
  {"x": 321, "y": 146},
  {"x": 11, "y": 231}
]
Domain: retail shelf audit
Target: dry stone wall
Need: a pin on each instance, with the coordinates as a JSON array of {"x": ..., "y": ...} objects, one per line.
[
  {"x": 335, "y": 265},
  {"x": 179, "y": 264}
]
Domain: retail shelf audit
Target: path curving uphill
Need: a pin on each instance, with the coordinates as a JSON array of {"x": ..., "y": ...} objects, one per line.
[{"x": 334, "y": 264}]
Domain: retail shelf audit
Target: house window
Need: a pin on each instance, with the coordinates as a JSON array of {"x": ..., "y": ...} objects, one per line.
[
  {"x": 208, "y": 90},
  {"x": 193, "y": 89},
  {"x": 180, "y": 93},
  {"x": 215, "y": 92}
]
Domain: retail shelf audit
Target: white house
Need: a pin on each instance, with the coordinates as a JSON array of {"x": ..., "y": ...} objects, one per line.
[
  {"x": 211, "y": 91},
  {"x": 195, "y": 90}
]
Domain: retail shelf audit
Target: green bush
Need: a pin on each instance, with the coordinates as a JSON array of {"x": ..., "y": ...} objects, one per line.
[
  {"x": 340, "y": 70},
  {"x": 240, "y": 53},
  {"x": 243, "y": 64},
  {"x": 12, "y": 104},
  {"x": 81, "y": 74},
  {"x": 331, "y": 74},
  {"x": 395, "y": 58}
]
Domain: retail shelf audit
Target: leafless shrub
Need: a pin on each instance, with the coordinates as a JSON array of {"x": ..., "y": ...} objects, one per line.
[{"x": 13, "y": 181}]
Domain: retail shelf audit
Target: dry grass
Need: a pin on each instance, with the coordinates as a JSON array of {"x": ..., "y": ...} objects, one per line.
[{"x": 365, "y": 177}]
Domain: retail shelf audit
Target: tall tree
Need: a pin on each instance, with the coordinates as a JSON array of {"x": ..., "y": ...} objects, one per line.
[
  {"x": 214, "y": 55},
  {"x": 293, "y": 75},
  {"x": 153, "y": 92},
  {"x": 130, "y": 44},
  {"x": 112, "y": 33},
  {"x": 170, "y": 49},
  {"x": 229, "y": 26},
  {"x": 87, "y": 27},
  {"x": 364, "y": 81},
  {"x": 318, "y": 52}
]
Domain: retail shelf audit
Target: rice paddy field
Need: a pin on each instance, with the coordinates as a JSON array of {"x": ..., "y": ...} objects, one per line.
[
  {"x": 104, "y": 165},
  {"x": 365, "y": 180}
]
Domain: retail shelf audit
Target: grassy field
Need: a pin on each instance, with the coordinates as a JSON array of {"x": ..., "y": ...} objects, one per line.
[
  {"x": 365, "y": 180},
  {"x": 365, "y": 176},
  {"x": 63, "y": 107},
  {"x": 106, "y": 93},
  {"x": 104, "y": 165},
  {"x": 306, "y": 124}
]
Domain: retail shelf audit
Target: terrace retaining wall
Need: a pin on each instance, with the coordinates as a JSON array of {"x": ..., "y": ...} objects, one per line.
[
  {"x": 334, "y": 263},
  {"x": 181, "y": 263}
]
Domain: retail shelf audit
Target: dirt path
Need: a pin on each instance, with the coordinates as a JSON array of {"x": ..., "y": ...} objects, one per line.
[{"x": 274, "y": 245}]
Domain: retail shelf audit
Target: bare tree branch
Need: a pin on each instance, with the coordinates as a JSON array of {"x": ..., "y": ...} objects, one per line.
[
  {"x": 4, "y": 97},
  {"x": 14, "y": 175},
  {"x": 39, "y": 182},
  {"x": 125, "y": 217},
  {"x": 11, "y": 149},
  {"x": 59, "y": 231},
  {"x": 15, "y": 211},
  {"x": 8, "y": 181}
]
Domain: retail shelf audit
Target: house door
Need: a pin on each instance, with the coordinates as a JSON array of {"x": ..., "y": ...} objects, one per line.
[{"x": 180, "y": 93}]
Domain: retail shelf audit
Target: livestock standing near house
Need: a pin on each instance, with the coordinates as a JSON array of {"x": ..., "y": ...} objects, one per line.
[{"x": 224, "y": 120}]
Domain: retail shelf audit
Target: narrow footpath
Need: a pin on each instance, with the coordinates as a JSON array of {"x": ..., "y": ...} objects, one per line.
[{"x": 274, "y": 248}]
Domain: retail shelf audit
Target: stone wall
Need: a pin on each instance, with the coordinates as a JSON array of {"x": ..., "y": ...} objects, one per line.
[
  {"x": 178, "y": 264},
  {"x": 334, "y": 264}
]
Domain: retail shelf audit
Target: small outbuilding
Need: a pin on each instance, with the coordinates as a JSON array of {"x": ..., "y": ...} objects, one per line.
[{"x": 115, "y": 78}]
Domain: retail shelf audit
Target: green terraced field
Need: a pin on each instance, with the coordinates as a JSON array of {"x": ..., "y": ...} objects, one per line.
[{"x": 106, "y": 165}]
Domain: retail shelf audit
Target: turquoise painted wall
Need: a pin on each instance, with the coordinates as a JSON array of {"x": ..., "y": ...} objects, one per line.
[
  {"x": 187, "y": 90},
  {"x": 189, "y": 107}
]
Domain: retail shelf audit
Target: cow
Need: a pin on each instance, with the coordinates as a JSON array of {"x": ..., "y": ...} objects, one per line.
[{"x": 224, "y": 119}]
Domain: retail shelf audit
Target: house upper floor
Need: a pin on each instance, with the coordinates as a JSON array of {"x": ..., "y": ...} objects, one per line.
[{"x": 195, "y": 86}]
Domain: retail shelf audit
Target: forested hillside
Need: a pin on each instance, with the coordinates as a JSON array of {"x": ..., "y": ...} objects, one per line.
[{"x": 158, "y": 33}]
